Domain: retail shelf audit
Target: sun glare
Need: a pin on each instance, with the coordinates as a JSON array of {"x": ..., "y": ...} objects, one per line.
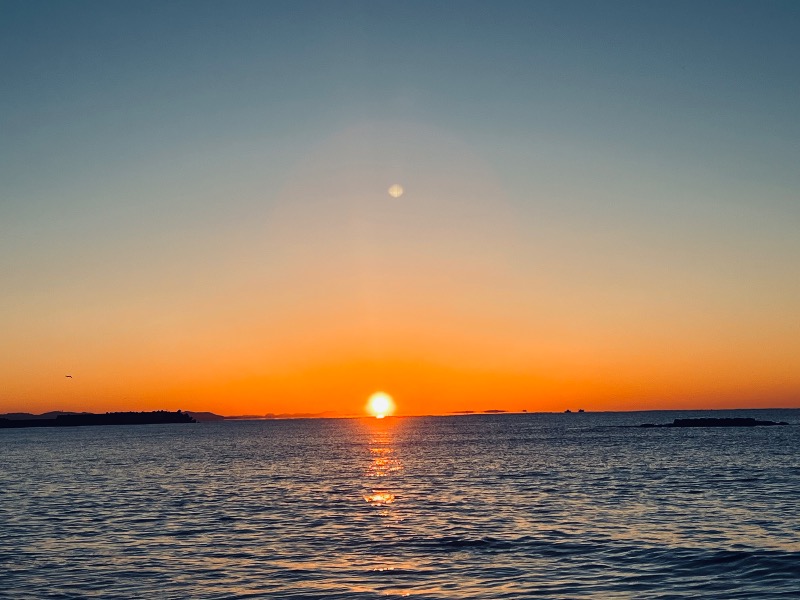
[
  {"x": 396, "y": 190},
  {"x": 380, "y": 404}
]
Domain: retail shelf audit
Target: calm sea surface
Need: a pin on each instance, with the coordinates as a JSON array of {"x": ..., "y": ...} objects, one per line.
[{"x": 489, "y": 506}]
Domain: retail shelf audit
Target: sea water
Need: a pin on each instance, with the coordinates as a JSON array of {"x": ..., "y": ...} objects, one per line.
[{"x": 481, "y": 506}]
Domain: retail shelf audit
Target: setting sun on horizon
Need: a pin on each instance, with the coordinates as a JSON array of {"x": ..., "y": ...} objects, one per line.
[{"x": 380, "y": 405}]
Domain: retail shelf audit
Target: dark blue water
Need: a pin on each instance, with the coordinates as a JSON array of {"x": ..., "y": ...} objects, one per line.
[{"x": 505, "y": 506}]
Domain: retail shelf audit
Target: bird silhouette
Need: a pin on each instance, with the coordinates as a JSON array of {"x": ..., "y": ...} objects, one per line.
[{"x": 70, "y": 376}]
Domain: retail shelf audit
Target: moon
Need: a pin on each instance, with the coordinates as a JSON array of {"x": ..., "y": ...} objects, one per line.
[{"x": 396, "y": 190}]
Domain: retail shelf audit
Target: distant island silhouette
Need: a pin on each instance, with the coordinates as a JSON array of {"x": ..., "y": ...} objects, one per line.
[
  {"x": 717, "y": 422},
  {"x": 91, "y": 419}
]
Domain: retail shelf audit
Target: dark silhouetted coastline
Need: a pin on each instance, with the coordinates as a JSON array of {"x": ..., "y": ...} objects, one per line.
[{"x": 112, "y": 418}]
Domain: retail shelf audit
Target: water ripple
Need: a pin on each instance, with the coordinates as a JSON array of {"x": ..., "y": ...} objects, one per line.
[{"x": 481, "y": 507}]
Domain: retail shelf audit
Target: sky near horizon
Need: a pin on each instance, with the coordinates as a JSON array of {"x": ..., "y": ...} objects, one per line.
[{"x": 601, "y": 206}]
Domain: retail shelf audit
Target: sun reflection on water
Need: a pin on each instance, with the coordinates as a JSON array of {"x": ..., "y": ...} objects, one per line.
[
  {"x": 384, "y": 464},
  {"x": 379, "y": 497}
]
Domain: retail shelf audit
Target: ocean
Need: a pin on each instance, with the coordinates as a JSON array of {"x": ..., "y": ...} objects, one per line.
[{"x": 481, "y": 506}]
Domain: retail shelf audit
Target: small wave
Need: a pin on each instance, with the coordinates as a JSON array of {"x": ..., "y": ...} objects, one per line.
[{"x": 524, "y": 544}]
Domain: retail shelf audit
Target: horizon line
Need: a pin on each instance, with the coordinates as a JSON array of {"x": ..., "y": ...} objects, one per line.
[{"x": 299, "y": 416}]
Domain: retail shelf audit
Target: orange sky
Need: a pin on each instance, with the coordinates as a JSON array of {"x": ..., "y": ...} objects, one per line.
[
  {"x": 430, "y": 362},
  {"x": 464, "y": 294}
]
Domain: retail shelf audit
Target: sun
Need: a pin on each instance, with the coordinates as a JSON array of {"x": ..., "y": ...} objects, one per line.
[{"x": 380, "y": 404}]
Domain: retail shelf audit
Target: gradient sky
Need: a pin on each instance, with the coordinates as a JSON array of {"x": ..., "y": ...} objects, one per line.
[{"x": 602, "y": 205}]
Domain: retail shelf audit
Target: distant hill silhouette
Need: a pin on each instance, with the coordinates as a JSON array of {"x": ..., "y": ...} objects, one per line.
[
  {"x": 48, "y": 415},
  {"x": 319, "y": 415},
  {"x": 204, "y": 416}
]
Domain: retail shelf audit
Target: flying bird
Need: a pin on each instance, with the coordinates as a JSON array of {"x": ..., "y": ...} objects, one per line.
[{"x": 70, "y": 376}]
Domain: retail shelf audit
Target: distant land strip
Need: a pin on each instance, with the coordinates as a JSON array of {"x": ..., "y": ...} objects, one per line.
[
  {"x": 111, "y": 418},
  {"x": 718, "y": 422}
]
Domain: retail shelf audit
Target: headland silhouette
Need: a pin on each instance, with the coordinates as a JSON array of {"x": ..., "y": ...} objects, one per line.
[{"x": 111, "y": 418}]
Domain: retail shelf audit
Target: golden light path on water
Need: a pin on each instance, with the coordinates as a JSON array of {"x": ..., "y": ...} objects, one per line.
[
  {"x": 383, "y": 465},
  {"x": 381, "y": 478}
]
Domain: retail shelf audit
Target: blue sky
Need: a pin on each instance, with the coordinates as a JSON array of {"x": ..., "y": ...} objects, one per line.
[{"x": 610, "y": 159}]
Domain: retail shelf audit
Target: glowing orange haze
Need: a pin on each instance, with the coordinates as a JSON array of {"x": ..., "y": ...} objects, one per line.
[
  {"x": 489, "y": 373},
  {"x": 439, "y": 298},
  {"x": 432, "y": 358}
]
